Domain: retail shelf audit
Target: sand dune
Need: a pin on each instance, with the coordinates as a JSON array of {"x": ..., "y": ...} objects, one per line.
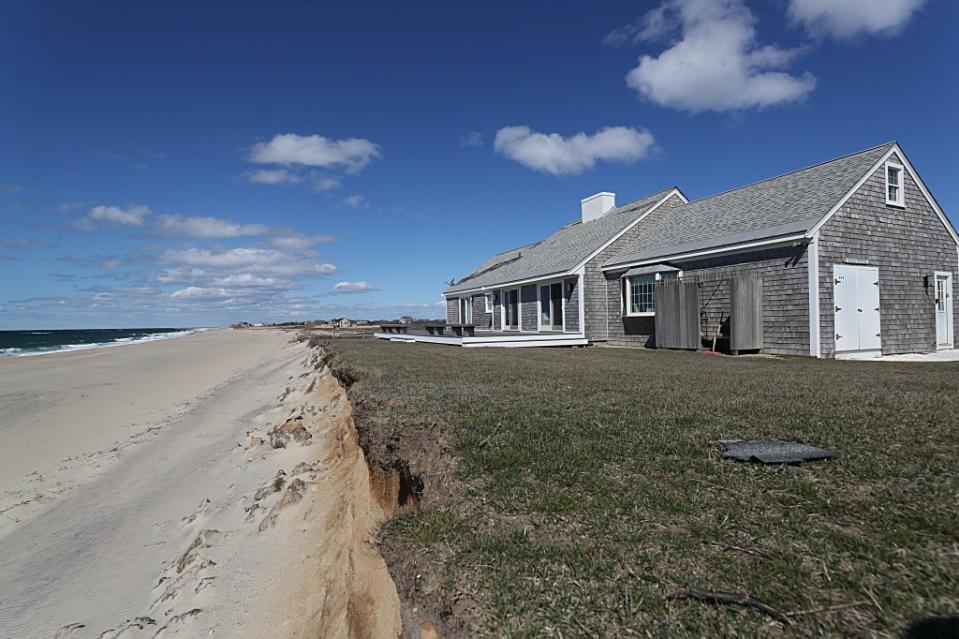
[{"x": 204, "y": 485}]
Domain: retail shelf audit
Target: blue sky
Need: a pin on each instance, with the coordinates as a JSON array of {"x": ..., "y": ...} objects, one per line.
[{"x": 186, "y": 163}]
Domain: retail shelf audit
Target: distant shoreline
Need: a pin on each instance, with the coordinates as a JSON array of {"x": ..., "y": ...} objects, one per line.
[{"x": 56, "y": 349}]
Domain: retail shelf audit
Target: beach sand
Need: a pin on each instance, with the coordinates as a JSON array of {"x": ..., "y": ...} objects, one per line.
[{"x": 146, "y": 491}]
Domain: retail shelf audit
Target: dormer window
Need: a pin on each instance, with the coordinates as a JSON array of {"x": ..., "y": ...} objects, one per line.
[{"x": 894, "y": 192}]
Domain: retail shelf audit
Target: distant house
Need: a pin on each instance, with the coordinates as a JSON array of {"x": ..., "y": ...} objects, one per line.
[
  {"x": 406, "y": 319},
  {"x": 342, "y": 322},
  {"x": 852, "y": 257}
]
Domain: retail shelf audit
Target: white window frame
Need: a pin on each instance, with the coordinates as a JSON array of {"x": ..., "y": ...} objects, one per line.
[
  {"x": 466, "y": 303},
  {"x": 489, "y": 302},
  {"x": 627, "y": 294},
  {"x": 901, "y": 200},
  {"x": 519, "y": 309},
  {"x": 539, "y": 305}
]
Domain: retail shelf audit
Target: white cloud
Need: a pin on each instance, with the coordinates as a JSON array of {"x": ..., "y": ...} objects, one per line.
[
  {"x": 231, "y": 258},
  {"x": 352, "y": 154},
  {"x": 249, "y": 280},
  {"x": 200, "y": 292},
  {"x": 849, "y": 18},
  {"x": 298, "y": 242},
  {"x": 355, "y": 202},
  {"x": 131, "y": 216},
  {"x": 552, "y": 153},
  {"x": 325, "y": 182},
  {"x": 343, "y": 288},
  {"x": 472, "y": 139},
  {"x": 717, "y": 64},
  {"x": 273, "y": 176},
  {"x": 651, "y": 26},
  {"x": 206, "y": 227}
]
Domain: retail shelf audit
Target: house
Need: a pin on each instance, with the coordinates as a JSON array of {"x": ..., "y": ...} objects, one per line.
[
  {"x": 852, "y": 257},
  {"x": 342, "y": 322}
]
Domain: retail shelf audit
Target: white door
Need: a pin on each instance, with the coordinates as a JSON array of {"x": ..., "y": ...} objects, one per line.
[
  {"x": 856, "y": 290},
  {"x": 944, "y": 310}
]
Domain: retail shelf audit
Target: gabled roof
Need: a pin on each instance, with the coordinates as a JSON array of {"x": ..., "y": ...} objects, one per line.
[
  {"x": 560, "y": 252},
  {"x": 789, "y": 204}
]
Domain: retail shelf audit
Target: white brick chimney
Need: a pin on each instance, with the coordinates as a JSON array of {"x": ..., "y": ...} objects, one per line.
[{"x": 596, "y": 206}]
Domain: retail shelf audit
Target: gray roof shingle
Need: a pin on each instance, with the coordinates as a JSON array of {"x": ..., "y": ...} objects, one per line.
[
  {"x": 558, "y": 253},
  {"x": 791, "y": 203}
]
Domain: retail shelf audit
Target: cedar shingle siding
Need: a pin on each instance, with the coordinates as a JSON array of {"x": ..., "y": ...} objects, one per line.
[
  {"x": 571, "y": 317},
  {"x": 785, "y": 300},
  {"x": 595, "y": 288},
  {"x": 906, "y": 244}
]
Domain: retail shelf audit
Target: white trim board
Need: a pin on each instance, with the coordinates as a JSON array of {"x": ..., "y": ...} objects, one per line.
[
  {"x": 722, "y": 250},
  {"x": 875, "y": 167},
  {"x": 815, "y": 320},
  {"x": 582, "y": 263},
  {"x": 639, "y": 219}
]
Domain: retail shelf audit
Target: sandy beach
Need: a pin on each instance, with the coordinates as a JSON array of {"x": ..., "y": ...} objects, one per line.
[{"x": 204, "y": 485}]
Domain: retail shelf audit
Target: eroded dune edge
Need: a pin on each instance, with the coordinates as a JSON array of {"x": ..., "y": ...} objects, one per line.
[{"x": 294, "y": 558}]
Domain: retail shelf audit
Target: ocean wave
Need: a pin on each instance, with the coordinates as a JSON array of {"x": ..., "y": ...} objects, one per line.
[{"x": 122, "y": 341}]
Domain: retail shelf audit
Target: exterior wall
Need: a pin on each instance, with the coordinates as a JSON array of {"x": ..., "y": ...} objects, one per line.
[
  {"x": 785, "y": 299},
  {"x": 497, "y": 311},
  {"x": 530, "y": 310},
  {"x": 906, "y": 244},
  {"x": 594, "y": 285},
  {"x": 571, "y": 316},
  {"x": 481, "y": 319},
  {"x": 452, "y": 310}
]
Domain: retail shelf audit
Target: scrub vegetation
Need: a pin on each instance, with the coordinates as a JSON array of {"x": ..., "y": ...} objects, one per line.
[{"x": 581, "y": 492}]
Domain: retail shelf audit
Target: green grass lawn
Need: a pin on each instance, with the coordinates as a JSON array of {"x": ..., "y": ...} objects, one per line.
[{"x": 585, "y": 488}]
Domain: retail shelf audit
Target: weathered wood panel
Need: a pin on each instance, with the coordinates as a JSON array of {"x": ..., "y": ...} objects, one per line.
[
  {"x": 677, "y": 315},
  {"x": 746, "y": 317}
]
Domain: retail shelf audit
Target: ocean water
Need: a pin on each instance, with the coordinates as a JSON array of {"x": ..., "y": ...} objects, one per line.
[{"x": 19, "y": 343}]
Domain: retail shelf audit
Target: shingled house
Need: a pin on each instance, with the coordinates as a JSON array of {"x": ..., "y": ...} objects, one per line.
[{"x": 848, "y": 258}]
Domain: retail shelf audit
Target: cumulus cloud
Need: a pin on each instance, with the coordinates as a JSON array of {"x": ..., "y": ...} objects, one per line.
[
  {"x": 273, "y": 176},
  {"x": 352, "y": 154},
  {"x": 345, "y": 288},
  {"x": 850, "y": 18},
  {"x": 558, "y": 155},
  {"x": 472, "y": 139},
  {"x": 206, "y": 227},
  {"x": 130, "y": 216},
  {"x": 355, "y": 202},
  {"x": 716, "y": 64}
]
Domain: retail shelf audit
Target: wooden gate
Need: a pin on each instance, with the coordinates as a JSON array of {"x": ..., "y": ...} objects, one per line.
[
  {"x": 746, "y": 312},
  {"x": 677, "y": 314}
]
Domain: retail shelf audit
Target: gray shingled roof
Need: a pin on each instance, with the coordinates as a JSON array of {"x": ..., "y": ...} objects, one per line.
[
  {"x": 558, "y": 253},
  {"x": 791, "y": 203}
]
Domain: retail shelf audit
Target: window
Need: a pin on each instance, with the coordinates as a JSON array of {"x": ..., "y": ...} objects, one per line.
[
  {"x": 894, "y": 191},
  {"x": 642, "y": 295},
  {"x": 551, "y": 306},
  {"x": 639, "y": 293},
  {"x": 466, "y": 310},
  {"x": 511, "y": 309},
  {"x": 489, "y": 302}
]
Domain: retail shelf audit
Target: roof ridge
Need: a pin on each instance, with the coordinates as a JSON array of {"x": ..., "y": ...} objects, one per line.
[{"x": 793, "y": 172}]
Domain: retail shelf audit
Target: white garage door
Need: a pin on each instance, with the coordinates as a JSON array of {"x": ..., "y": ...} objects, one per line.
[{"x": 857, "y": 309}]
